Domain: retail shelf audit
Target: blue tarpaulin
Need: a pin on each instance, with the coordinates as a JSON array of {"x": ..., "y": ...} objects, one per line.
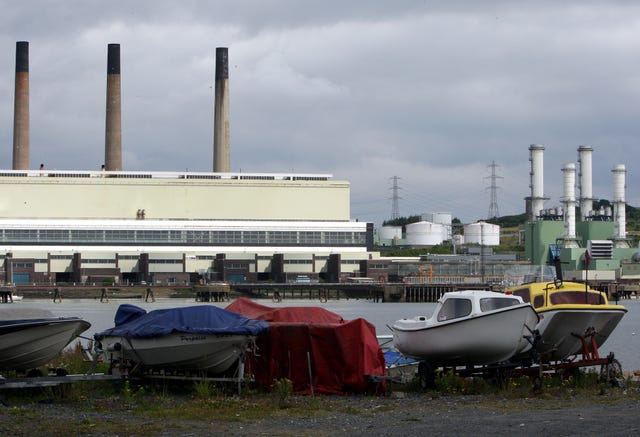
[
  {"x": 135, "y": 322},
  {"x": 395, "y": 358}
]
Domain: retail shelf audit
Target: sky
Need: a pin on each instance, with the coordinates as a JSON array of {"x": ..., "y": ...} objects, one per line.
[{"x": 432, "y": 92}]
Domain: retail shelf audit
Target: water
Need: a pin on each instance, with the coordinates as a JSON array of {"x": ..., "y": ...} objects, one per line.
[{"x": 624, "y": 341}]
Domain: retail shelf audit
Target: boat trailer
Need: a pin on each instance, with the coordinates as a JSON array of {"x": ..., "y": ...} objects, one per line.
[
  {"x": 610, "y": 367},
  {"x": 52, "y": 381},
  {"x": 536, "y": 366},
  {"x": 58, "y": 376},
  {"x": 122, "y": 368},
  {"x": 118, "y": 371}
]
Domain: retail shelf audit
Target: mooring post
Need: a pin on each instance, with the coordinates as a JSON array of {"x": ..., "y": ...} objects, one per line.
[
  {"x": 149, "y": 295},
  {"x": 56, "y": 295}
]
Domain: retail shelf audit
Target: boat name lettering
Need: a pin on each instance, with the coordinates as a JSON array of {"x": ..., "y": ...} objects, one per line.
[{"x": 192, "y": 337}]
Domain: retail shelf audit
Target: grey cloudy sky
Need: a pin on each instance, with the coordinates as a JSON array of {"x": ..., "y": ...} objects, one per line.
[{"x": 430, "y": 91}]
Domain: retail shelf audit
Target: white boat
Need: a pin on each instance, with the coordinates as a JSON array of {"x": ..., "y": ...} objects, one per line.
[
  {"x": 203, "y": 338},
  {"x": 468, "y": 328},
  {"x": 31, "y": 338},
  {"x": 212, "y": 353}
]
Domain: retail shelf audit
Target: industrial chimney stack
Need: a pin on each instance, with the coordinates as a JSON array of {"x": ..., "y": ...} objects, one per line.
[
  {"x": 536, "y": 155},
  {"x": 619, "y": 205},
  {"x": 221, "y": 129},
  {"x": 569, "y": 200},
  {"x": 21, "y": 108},
  {"x": 113, "y": 124}
]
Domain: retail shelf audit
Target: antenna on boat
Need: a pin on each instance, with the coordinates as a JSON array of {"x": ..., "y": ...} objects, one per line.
[
  {"x": 556, "y": 263},
  {"x": 558, "y": 266},
  {"x": 587, "y": 261}
]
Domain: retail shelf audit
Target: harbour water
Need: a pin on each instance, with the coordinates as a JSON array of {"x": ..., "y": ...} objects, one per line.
[{"x": 624, "y": 341}]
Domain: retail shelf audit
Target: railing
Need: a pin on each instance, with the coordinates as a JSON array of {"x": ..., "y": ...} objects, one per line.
[
  {"x": 452, "y": 279},
  {"x": 165, "y": 175}
]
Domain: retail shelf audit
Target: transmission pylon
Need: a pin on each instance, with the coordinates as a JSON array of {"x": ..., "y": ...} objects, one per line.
[
  {"x": 395, "y": 197},
  {"x": 493, "y": 189}
]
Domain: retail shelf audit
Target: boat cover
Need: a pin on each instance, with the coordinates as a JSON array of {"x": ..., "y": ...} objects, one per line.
[
  {"x": 254, "y": 310},
  {"x": 135, "y": 322},
  {"x": 337, "y": 356}
]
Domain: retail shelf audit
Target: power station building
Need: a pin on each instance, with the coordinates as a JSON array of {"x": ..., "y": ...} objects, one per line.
[
  {"x": 593, "y": 246},
  {"x": 170, "y": 227}
]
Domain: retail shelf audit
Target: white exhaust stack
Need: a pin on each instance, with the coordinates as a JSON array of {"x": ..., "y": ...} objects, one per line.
[
  {"x": 569, "y": 201},
  {"x": 586, "y": 181},
  {"x": 619, "y": 205},
  {"x": 536, "y": 155}
]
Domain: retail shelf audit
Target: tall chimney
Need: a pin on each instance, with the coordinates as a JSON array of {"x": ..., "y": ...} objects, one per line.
[
  {"x": 586, "y": 181},
  {"x": 619, "y": 205},
  {"x": 113, "y": 125},
  {"x": 536, "y": 155},
  {"x": 569, "y": 201},
  {"x": 221, "y": 129},
  {"x": 21, "y": 108}
]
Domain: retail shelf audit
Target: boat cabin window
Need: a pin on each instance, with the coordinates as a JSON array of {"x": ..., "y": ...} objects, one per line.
[
  {"x": 538, "y": 301},
  {"x": 576, "y": 297},
  {"x": 495, "y": 303},
  {"x": 523, "y": 293},
  {"x": 454, "y": 308}
]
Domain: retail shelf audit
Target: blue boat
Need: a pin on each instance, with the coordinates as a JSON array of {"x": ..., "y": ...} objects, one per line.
[{"x": 202, "y": 337}]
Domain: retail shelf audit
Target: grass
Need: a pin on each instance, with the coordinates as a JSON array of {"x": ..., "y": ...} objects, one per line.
[
  {"x": 149, "y": 410},
  {"x": 130, "y": 407}
]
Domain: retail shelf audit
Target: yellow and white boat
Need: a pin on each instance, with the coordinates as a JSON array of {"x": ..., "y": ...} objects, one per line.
[{"x": 574, "y": 318}]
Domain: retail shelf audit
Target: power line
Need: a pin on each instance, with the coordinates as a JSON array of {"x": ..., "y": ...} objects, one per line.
[
  {"x": 493, "y": 187},
  {"x": 395, "y": 206}
]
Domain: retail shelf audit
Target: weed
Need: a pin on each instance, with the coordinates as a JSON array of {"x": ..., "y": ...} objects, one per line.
[
  {"x": 283, "y": 389},
  {"x": 448, "y": 382},
  {"x": 205, "y": 389}
]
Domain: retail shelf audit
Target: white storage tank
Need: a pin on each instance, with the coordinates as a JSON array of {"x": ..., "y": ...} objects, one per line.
[
  {"x": 441, "y": 218},
  {"x": 424, "y": 234},
  {"x": 482, "y": 233},
  {"x": 390, "y": 233}
]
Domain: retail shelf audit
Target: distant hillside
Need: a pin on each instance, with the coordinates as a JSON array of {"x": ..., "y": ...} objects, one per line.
[
  {"x": 401, "y": 221},
  {"x": 510, "y": 221}
]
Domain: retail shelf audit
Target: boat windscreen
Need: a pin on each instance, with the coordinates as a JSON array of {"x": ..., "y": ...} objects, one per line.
[
  {"x": 576, "y": 297},
  {"x": 454, "y": 309},
  {"x": 495, "y": 303},
  {"x": 524, "y": 293}
]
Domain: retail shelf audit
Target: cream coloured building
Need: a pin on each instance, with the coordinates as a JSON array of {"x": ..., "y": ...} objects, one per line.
[{"x": 172, "y": 227}]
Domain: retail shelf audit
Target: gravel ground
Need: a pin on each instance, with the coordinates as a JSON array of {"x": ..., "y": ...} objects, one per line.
[{"x": 398, "y": 414}]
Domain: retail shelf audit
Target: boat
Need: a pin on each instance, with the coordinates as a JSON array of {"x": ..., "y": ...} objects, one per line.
[
  {"x": 467, "y": 328},
  {"x": 314, "y": 348},
  {"x": 574, "y": 318},
  {"x": 203, "y": 338},
  {"x": 30, "y": 338}
]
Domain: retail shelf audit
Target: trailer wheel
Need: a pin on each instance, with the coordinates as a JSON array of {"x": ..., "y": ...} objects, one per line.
[
  {"x": 611, "y": 373},
  {"x": 426, "y": 375}
]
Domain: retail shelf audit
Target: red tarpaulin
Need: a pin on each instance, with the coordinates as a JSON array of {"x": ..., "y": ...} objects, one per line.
[{"x": 341, "y": 355}]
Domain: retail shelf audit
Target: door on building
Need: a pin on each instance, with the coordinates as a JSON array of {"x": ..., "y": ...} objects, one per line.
[{"x": 21, "y": 278}]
